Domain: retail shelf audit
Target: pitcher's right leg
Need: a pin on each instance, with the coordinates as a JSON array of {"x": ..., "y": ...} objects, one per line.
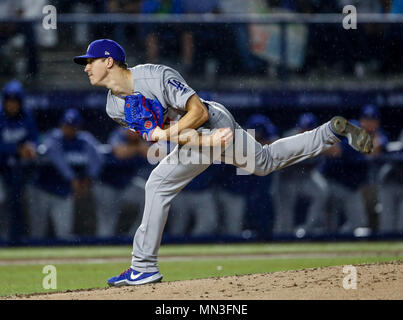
[{"x": 164, "y": 183}]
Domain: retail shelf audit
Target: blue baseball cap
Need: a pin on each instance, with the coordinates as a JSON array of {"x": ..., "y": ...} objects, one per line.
[
  {"x": 307, "y": 121},
  {"x": 13, "y": 90},
  {"x": 71, "y": 117},
  {"x": 370, "y": 111},
  {"x": 262, "y": 125},
  {"x": 102, "y": 48}
]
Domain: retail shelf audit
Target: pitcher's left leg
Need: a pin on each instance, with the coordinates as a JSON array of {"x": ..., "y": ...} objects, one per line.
[{"x": 250, "y": 155}]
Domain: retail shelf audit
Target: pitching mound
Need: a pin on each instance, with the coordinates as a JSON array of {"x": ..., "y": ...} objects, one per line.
[{"x": 374, "y": 281}]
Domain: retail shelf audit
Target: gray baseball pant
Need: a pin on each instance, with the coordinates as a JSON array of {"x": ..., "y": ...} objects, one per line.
[
  {"x": 391, "y": 217},
  {"x": 109, "y": 202},
  {"x": 171, "y": 176},
  {"x": 353, "y": 204},
  {"x": 286, "y": 196},
  {"x": 233, "y": 207},
  {"x": 44, "y": 205}
]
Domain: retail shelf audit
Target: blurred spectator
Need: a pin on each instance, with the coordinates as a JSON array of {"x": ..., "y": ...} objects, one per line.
[
  {"x": 332, "y": 49},
  {"x": 193, "y": 211},
  {"x": 325, "y": 41},
  {"x": 370, "y": 120},
  {"x": 201, "y": 41},
  {"x": 393, "y": 42},
  {"x": 200, "y": 46},
  {"x": 238, "y": 38},
  {"x": 245, "y": 201},
  {"x": 391, "y": 194},
  {"x": 231, "y": 200},
  {"x": 18, "y": 138},
  {"x": 283, "y": 46},
  {"x": 302, "y": 181},
  {"x": 118, "y": 185},
  {"x": 128, "y": 34},
  {"x": 258, "y": 191},
  {"x": 368, "y": 36},
  {"x": 162, "y": 39},
  {"x": 124, "y": 6},
  {"x": 346, "y": 171},
  {"x": 7, "y": 32},
  {"x": 96, "y": 6},
  {"x": 17, "y": 36},
  {"x": 67, "y": 169},
  {"x": 83, "y": 33}
]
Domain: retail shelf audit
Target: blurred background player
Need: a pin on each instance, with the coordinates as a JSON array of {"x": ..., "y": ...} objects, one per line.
[
  {"x": 297, "y": 183},
  {"x": 326, "y": 80},
  {"x": 18, "y": 139},
  {"x": 245, "y": 201},
  {"x": 258, "y": 191},
  {"x": 231, "y": 201},
  {"x": 391, "y": 194},
  {"x": 167, "y": 38},
  {"x": 361, "y": 172},
  {"x": 70, "y": 163},
  {"x": 370, "y": 120},
  {"x": 118, "y": 183},
  {"x": 194, "y": 210},
  {"x": 346, "y": 172}
]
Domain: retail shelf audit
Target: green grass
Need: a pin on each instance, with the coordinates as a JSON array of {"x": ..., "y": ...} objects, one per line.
[
  {"x": 169, "y": 250},
  {"x": 27, "y": 278}
]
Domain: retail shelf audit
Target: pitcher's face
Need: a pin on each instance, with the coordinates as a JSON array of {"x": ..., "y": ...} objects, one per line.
[{"x": 96, "y": 70}]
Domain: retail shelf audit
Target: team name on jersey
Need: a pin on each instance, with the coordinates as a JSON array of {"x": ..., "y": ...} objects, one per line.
[{"x": 178, "y": 85}]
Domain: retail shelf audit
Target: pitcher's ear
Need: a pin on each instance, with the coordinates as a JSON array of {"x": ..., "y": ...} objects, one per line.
[{"x": 109, "y": 62}]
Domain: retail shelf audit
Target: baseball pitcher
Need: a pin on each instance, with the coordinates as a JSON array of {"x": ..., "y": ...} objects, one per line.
[{"x": 155, "y": 101}]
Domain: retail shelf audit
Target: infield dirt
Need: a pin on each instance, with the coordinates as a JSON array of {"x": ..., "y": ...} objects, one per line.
[{"x": 374, "y": 281}]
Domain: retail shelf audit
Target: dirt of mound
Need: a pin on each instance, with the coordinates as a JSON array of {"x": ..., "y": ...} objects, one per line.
[{"x": 374, "y": 281}]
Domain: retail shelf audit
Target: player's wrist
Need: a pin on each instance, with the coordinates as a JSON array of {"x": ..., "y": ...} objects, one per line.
[{"x": 158, "y": 134}]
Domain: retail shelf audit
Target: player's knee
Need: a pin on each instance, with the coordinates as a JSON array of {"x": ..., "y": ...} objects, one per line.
[
  {"x": 157, "y": 184},
  {"x": 151, "y": 184},
  {"x": 263, "y": 169},
  {"x": 261, "y": 172}
]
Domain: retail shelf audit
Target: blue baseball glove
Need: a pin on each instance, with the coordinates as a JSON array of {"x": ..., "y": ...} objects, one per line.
[{"x": 143, "y": 115}]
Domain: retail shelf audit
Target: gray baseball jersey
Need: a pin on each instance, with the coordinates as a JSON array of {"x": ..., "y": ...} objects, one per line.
[
  {"x": 170, "y": 177},
  {"x": 155, "y": 82}
]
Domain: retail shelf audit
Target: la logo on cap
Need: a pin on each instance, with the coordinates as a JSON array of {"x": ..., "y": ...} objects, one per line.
[{"x": 107, "y": 53}]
